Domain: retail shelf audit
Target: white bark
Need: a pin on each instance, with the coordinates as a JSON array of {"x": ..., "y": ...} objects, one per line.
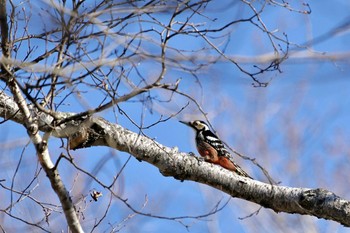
[
  {"x": 94, "y": 131},
  {"x": 32, "y": 122}
]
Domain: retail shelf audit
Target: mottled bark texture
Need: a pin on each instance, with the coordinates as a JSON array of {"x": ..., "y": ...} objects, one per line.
[{"x": 95, "y": 131}]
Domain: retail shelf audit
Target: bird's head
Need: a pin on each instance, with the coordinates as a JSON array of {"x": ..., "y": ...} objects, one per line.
[{"x": 196, "y": 125}]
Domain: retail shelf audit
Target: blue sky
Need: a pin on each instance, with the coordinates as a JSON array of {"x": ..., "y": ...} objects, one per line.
[{"x": 297, "y": 128}]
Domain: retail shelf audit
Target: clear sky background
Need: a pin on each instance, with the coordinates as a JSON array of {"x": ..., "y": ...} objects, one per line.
[{"x": 297, "y": 128}]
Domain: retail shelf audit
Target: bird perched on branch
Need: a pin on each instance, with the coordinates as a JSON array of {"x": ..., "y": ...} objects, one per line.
[{"x": 212, "y": 149}]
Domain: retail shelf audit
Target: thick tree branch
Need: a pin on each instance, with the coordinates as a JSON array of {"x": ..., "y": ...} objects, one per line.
[{"x": 99, "y": 132}]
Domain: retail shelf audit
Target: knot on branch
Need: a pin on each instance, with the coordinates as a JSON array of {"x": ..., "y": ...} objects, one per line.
[
  {"x": 313, "y": 199},
  {"x": 324, "y": 204},
  {"x": 89, "y": 134}
]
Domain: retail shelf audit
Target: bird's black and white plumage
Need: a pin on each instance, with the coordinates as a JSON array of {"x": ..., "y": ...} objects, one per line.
[{"x": 212, "y": 148}]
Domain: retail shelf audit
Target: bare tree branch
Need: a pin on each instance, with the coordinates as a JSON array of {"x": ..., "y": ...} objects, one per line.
[
  {"x": 62, "y": 62},
  {"x": 94, "y": 131},
  {"x": 30, "y": 123}
]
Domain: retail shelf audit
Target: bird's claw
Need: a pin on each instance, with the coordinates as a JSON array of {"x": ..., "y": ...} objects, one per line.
[{"x": 191, "y": 153}]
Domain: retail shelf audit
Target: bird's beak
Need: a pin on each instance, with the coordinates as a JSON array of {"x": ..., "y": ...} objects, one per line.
[{"x": 186, "y": 123}]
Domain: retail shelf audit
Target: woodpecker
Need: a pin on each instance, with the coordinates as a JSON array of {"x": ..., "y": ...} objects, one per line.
[{"x": 211, "y": 148}]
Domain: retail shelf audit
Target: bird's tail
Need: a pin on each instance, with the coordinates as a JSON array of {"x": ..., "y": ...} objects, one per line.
[{"x": 241, "y": 172}]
